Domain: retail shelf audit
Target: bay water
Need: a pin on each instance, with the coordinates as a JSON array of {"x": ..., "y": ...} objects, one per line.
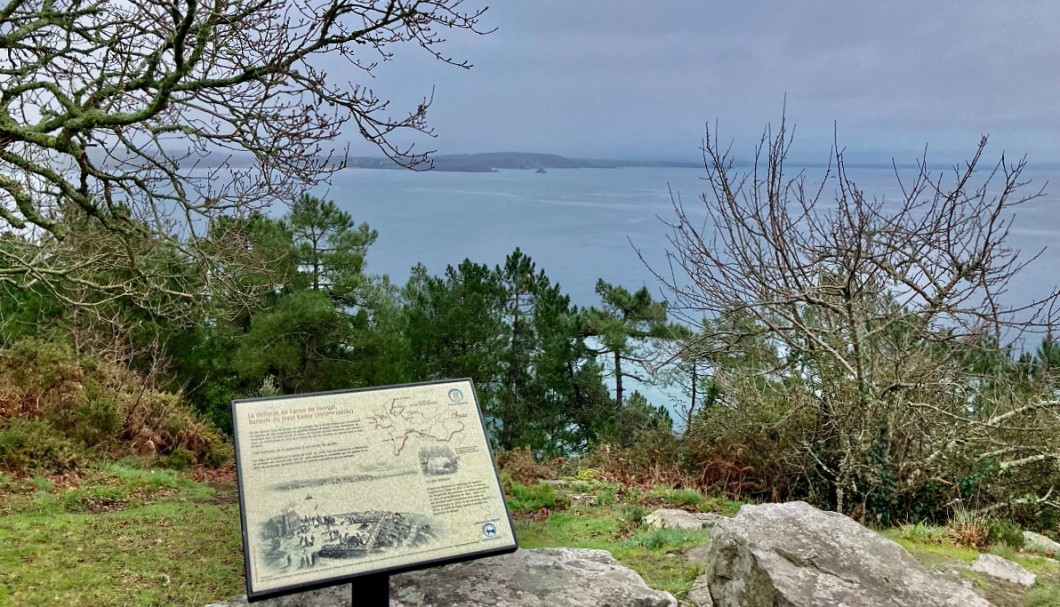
[{"x": 579, "y": 225}]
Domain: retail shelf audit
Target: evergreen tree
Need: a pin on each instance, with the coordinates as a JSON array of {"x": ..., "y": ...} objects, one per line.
[
  {"x": 629, "y": 327},
  {"x": 329, "y": 248},
  {"x": 454, "y": 326}
]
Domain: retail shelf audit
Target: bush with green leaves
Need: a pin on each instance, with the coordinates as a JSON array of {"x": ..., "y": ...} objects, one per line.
[
  {"x": 1004, "y": 532},
  {"x": 35, "y": 446},
  {"x": 60, "y": 409}
]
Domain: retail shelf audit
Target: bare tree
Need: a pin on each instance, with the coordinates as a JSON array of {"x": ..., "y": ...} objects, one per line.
[
  {"x": 878, "y": 314},
  {"x": 152, "y": 119}
]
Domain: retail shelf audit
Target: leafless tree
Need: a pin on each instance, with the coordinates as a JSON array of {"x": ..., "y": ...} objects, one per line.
[
  {"x": 149, "y": 120},
  {"x": 880, "y": 317}
]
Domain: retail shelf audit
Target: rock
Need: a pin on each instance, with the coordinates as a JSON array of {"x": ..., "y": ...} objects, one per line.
[
  {"x": 1003, "y": 569},
  {"x": 698, "y": 554},
  {"x": 547, "y": 577},
  {"x": 797, "y": 556},
  {"x": 699, "y": 594},
  {"x": 582, "y": 499},
  {"x": 335, "y": 596},
  {"x": 667, "y": 518},
  {"x": 1038, "y": 543}
]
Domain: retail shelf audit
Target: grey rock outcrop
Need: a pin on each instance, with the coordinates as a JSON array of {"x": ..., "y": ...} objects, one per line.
[
  {"x": 547, "y": 577},
  {"x": 698, "y": 554},
  {"x": 797, "y": 556},
  {"x": 668, "y": 518},
  {"x": 1039, "y": 544},
  {"x": 336, "y": 596},
  {"x": 699, "y": 594},
  {"x": 1003, "y": 569}
]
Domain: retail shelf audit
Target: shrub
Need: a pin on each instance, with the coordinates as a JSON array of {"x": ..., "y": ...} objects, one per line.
[
  {"x": 35, "y": 446},
  {"x": 1004, "y": 532},
  {"x": 85, "y": 405},
  {"x": 521, "y": 466},
  {"x": 178, "y": 459},
  {"x": 659, "y": 459},
  {"x": 969, "y": 529},
  {"x": 39, "y": 378}
]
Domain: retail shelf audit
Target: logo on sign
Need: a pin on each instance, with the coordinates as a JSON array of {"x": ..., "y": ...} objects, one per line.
[
  {"x": 456, "y": 396},
  {"x": 489, "y": 530}
]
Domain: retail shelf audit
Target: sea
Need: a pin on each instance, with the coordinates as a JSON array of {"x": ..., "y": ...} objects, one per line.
[{"x": 580, "y": 225}]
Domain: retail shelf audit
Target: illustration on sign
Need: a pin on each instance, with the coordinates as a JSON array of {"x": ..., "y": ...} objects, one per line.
[{"x": 342, "y": 484}]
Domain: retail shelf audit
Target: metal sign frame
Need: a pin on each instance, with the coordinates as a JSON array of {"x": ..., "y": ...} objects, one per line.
[{"x": 371, "y": 576}]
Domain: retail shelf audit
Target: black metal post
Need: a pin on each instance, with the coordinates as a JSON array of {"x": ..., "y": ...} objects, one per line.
[{"x": 371, "y": 591}]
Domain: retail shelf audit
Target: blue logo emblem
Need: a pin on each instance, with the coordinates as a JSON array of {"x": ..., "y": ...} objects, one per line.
[
  {"x": 456, "y": 396},
  {"x": 489, "y": 530}
]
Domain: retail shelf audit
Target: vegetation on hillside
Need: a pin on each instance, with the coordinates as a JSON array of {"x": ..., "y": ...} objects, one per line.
[
  {"x": 937, "y": 416},
  {"x": 137, "y": 535}
]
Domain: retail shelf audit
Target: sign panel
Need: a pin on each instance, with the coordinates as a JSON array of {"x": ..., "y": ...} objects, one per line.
[{"x": 341, "y": 484}]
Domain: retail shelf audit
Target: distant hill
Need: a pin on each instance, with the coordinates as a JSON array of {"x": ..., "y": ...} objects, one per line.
[{"x": 493, "y": 161}]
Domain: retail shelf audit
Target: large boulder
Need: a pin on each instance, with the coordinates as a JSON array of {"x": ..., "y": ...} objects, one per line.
[
  {"x": 794, "y": 555},
  {"x": 547, "y": 577},
  {"x": 1003, "y": 569},
  {"x": 669, "y": 518},
  {"x": 1038, "y": 543}
]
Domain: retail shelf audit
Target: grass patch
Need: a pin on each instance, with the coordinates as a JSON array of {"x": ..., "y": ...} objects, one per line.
[
  {"x": 523, "y": 499},
  {"x": 1042, "y": 596},
  {"x": 676, "y": 497},
  {"x": 932, "y": 551},
  {"x": 179, "y": 547},
  {"x": 685, "y": 498},
  {"x": 654, "y": 554},
  {"x": 606, "y": 494},
  {"x": 921, "y": 533}
]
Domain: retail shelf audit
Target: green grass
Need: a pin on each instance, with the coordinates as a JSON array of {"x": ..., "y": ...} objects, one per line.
[
  {"x": 922, "y": 533},
  {"x": 655, "y": 554},
  {"x": 158, "y": 540},
  {"x": 123, "y": 535},
  {"x": 676, "y": 497},
  {"x": 1042, "y": 596},
  {"x": 524, "y": 499},
  {"x": 680, "y": 498},
  {"x": 933, "y": 552},
  {"x": 931, "y": 547}
]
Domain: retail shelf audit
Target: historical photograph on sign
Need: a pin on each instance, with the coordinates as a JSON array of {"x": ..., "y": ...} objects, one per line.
[{"x": 342, "y": 484}]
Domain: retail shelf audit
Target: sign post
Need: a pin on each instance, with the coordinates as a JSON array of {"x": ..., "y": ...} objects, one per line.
[
  {"x": 371, "y": 591},
  {"x": 357, "y": 485}
]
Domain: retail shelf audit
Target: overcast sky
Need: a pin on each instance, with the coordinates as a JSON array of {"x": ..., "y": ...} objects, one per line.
[{"x": 635, "y": 79}]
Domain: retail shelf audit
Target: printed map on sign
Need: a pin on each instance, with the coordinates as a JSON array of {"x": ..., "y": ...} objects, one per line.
[{"x": 403, "y": 419}]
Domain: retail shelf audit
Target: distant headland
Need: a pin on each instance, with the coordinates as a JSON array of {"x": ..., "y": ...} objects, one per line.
[{"x": 493, "y": 161}]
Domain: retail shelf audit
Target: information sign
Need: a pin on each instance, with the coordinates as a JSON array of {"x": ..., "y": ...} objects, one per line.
[{"x": 343, "y": 484}]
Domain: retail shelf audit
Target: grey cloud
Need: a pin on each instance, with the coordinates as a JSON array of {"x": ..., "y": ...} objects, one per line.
[{"x": 620, "y": 78}]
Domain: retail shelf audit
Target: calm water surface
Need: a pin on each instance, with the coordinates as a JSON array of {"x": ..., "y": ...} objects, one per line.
[
  {"x": 583, "y": 224},
  {"x": 579, "y": 225}
]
